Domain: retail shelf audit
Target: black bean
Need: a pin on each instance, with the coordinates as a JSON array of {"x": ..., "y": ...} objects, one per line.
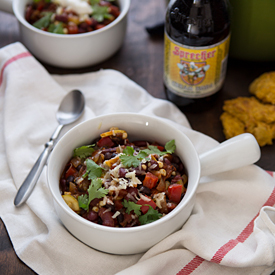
[
  {"x": 120, "y": 218},
  {"x": 70, "y": 179},
  {"x": 111, "y": 206},
  {"x": 145, "y": 190}
]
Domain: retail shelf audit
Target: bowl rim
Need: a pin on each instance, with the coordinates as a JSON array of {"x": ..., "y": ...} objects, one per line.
[
  {"x": 23, "y": 21},
  {"x": 166, "y": 218}
]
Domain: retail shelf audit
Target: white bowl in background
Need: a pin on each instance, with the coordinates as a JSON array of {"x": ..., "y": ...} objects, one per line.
[{"x": 72, "y": 50}]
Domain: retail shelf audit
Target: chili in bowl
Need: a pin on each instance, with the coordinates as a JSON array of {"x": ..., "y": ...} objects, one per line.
[
  {"x": 103, "y": 223},
  {"x": 64, "y": 38},
  {"x": 71, "y": 17},
  {"x": 121, "y": 183}
]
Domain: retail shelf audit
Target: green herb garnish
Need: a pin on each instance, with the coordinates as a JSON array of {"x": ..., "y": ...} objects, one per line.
[
  {"x": 151, "y": 216},
  {"x": 129, "y": 160},
  {"x": 95, "y": 191},
  {"x": 170, "y": 146},
  {"x": 131, "y": 206},
  {"x": 93, "y": 170},
  {"x": 84, "y": 151},
  {"x": 44, "y": 21},
  {"x": 56, "y": 28},
  {"x": 100, "y": 13}
]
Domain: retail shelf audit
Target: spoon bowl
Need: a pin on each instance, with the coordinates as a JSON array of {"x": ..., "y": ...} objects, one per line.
[{"x": 70, "y": 110}]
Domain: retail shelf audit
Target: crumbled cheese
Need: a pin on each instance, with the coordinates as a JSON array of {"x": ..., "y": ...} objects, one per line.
[
  {"x": 116, "y": 214},
  {"x": 79, "y": 6},
  {"x": 144, "y": 197},
  {"x": 134, "y": 181},
  {"x": 159, "y": 198},
  {"x": 115, "y": 172},
  {"x": 59, "y": 10},
  {"x": 79, "y": 180}
]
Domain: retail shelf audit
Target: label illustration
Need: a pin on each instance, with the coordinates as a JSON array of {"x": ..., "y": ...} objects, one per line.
[{"x": 195, "y": 72}]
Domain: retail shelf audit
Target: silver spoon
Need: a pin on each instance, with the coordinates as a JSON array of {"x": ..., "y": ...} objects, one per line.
[{"x": 70, "y": 110}]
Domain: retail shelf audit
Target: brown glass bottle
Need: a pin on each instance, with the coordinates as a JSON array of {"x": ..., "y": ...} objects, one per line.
[{"x": 197, "y": 34}]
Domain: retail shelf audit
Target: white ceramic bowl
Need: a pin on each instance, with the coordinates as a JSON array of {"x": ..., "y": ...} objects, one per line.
[
  {"x": 233, "y": 153},
  {"x": 74, "y": 50}
]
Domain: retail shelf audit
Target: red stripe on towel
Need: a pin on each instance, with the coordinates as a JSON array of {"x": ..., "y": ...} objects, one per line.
[
  {"x": 221, "y": 253},
  {"x": 19, "y": 56},
  {"x": 191, "y": 266}
]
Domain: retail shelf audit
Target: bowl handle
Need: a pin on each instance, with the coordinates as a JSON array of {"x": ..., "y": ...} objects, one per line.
[
  {"x": 234, "y": 153},
  {"x": 6, "y": 5}
]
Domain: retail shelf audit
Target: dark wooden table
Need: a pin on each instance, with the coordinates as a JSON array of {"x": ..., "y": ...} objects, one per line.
[{"x": 141, "y": 59}]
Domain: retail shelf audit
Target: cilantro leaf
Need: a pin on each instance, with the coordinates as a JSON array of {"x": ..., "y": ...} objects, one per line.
[
  {"x": 128, "y": 159},
  {"x": 56, "y": 28},
  {"x": 131, "y": 206},
  {"x": 100, "y": 13},
  {"x": 44, "y": 21},
  {"x": 83, "y": 202},
  {"x": 152, "y": 150},
  {"x": 94, "y": 2},
  {"x": 170, "y": 146},
  {"x": 84, "y": 151},
  {"x": 93, "y": 170},
  {"x": 95, "y": 191},
  {"x": 151, "y": 216}
]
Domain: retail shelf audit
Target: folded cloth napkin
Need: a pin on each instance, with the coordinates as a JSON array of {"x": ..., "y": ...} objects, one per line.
[{"x": 230, "y": 231}]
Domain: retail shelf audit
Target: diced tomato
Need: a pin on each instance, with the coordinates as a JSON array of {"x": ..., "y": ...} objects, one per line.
[
  {"x": 161, "y": 148},
  {"x": 105, "y": 142},
  {"x": 70, "y": 172},
  {"x": 150, "y": 180},
  {"x": 144, "y": 208},
  {"x": 174, "y": 192}
]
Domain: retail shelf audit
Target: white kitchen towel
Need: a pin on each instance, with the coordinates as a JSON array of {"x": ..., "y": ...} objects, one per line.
[{"x": 230, "y": 231}]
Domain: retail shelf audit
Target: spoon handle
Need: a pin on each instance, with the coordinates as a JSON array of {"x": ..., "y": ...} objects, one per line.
[{"x": 27, "y": 186}]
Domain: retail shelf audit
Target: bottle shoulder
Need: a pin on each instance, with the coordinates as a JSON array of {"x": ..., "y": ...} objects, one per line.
[{"x": 198, "y": 22}]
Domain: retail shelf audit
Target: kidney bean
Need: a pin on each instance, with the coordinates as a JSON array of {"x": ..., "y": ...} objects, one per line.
[
  {"x": 106, "y": 217},
  {"x": 127, "y": 219},
  {"x": 29, "y": 11},
  {"x": 122, "y": 172},
  {"x": 114, "y": 10},
  {"x": 140, "y": 143},
  {"x": 132, "y": 190},
  {"x": 91, "y": 216},
  {"x": 63, "y": 185},
  {"x": 94, "y": 202},
  {"x": 62, "y": 18}
]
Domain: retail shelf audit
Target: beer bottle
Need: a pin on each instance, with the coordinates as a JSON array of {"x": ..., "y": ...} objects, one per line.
[{"x": 197, "y": 35}]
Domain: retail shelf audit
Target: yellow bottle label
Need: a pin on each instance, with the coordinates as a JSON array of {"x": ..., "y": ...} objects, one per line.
[{"x": 195, "y": 72}]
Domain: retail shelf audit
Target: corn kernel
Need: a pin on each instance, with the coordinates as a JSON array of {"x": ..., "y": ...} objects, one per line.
[
  {"x": 163, "y": 172},
  {"x": 160, "y": 163}
]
